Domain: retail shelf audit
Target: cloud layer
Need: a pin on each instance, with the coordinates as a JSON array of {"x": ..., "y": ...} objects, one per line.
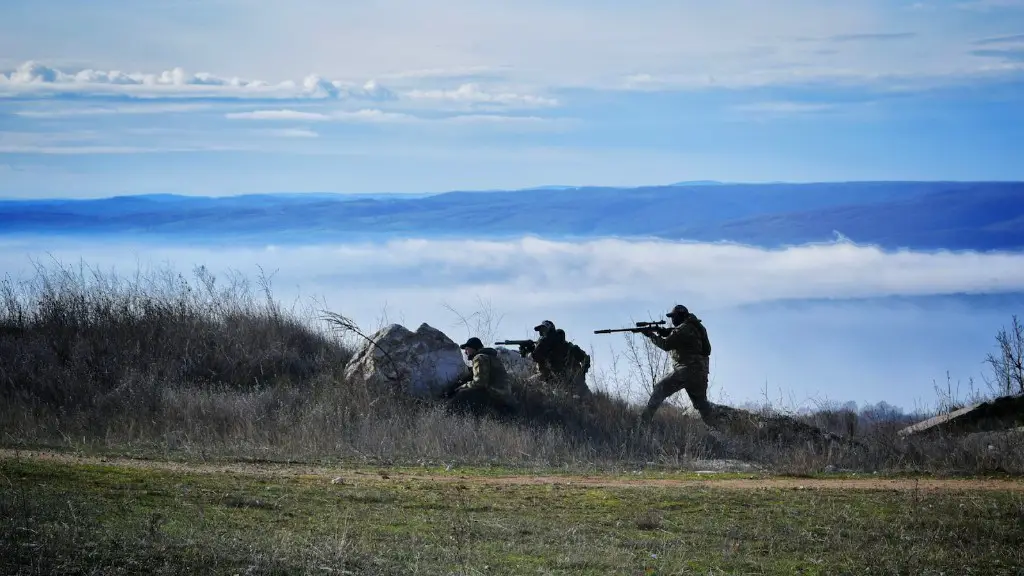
[
  {"x": 36, "y": 79},
  {"x": 836, "y": 348}
]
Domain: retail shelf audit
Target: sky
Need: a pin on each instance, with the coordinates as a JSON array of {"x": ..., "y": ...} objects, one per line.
[{"x": 222, "y": 97}]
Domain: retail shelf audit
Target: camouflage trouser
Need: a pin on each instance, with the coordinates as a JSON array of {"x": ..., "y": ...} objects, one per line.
[
  {"x": 567, "y": 384},
  {"x": 479, "y": 400},
  {"x": 693, "y": 378}
]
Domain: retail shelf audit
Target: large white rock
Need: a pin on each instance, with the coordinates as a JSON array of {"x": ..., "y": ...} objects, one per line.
[{"x": 422, "y": 362}]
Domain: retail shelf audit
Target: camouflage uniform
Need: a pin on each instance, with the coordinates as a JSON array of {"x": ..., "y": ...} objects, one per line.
[
  {"x": 561, "y": 365},
  {"x": 690, "y": 350},
  {"x": 487, "y": 381}
]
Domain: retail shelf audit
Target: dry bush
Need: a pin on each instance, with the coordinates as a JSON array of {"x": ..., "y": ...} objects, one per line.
[{"x": 1007, "y": 366}]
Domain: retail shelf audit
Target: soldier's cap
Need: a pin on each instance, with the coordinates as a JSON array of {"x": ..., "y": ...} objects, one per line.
[
  {"x": 474, "y": 343},
  {"x": 545, "y": 324},
  {"x": 678, "y": 310}
]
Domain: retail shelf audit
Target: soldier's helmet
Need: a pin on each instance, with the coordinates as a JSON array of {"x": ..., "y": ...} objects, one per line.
[
  {"x": 678, "y": 310},
  {"x": 546, "y": 327},
  {"x": 473, "y": 343}
]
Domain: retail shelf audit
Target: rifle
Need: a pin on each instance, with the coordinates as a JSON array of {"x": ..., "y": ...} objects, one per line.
[
  {"x": 640, "y": 328},
  {"x": 449, "y": 391},
  {"x": 525, "y": 346}
]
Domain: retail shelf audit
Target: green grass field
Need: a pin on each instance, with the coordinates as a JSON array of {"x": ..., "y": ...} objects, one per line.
[{"x": 67, "y": 515}]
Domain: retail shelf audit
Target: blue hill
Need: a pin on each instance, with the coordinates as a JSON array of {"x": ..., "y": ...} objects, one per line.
[{"x": 920, "y": 215}]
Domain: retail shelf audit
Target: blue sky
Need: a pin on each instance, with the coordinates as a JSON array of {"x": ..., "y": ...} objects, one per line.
[{"x": 222, "y": 97}]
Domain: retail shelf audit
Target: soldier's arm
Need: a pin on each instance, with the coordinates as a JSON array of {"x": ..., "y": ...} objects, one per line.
[
  {"x": 481, "y": 373},
  {"x": 673, "y": 340},
  {"x": 541, "y": 350}
]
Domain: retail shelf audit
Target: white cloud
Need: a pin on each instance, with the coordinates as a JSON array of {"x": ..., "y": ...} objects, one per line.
[
  {"x": 379, "y": 116},
  {"x": 785, "y": 107},
  {"x": 445, "y": 73},
  {"x": 114, "y": 110},
  {"x": 473, "y": 94},
  {"x": 36, "y": 78},
  {"x": 932, "y": 75},
  {"x": 276, "y": 115},
  {"x": 717, "y": 275},
  {"x": 291, "y": 133},
  {"x": 608, "y": 270},
  {"x": 365, "y": 115}
]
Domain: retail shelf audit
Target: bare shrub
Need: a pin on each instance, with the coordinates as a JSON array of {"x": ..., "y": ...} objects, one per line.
[{"x": 1007, "y": 366}]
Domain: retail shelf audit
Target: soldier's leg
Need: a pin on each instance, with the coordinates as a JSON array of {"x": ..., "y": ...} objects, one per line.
[
  {"x": 697, "y": 389},
  {"x": 472, "y": 400},
  {"x": 664, "y": 388},
  {"x": 580, "y": 387}
]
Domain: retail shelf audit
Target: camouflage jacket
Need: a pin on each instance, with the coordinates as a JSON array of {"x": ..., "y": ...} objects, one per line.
[
  {"x": 685, "y": 343},
  {"x": 555, "y": 355},
  {"x": 488, "y": 372}
]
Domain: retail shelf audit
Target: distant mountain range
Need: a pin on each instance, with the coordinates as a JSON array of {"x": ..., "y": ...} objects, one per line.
[{"x": 916, "y": 215}]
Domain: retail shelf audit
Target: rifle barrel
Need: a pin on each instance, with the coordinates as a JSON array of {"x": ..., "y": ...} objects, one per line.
[{"x": 636, "y": 330}]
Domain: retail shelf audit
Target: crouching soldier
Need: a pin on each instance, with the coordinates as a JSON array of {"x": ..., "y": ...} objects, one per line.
[
  {"x": 561, "y": 365},
  {"x": 486, "y": 386}
]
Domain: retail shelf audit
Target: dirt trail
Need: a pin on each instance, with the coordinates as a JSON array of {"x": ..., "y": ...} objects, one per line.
[{"x": 378, "y": 474}]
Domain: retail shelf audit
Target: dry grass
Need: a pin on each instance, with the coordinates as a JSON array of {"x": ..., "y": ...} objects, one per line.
[{"x": 161, "y": 364}]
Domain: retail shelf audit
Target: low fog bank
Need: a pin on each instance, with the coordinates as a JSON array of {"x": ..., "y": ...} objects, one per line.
[{"x": 796, "y": 327}]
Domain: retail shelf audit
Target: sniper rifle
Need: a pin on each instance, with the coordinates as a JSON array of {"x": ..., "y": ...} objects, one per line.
[
  {"x": 640, "y": 328},
  {"x": 525, "y": 346}
]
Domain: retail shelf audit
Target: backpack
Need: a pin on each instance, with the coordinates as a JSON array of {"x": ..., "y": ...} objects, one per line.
[
  {"x": 704, "y": 337},
  {"x": 577, "y": 353}
]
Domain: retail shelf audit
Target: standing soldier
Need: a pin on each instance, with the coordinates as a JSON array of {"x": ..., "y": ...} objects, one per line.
[
  {"x": 688, "y": 344},
  {"x": 487, "y": 383}
]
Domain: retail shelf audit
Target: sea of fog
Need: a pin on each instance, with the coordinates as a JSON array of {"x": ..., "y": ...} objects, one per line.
[{"x": 797, "y": 327}]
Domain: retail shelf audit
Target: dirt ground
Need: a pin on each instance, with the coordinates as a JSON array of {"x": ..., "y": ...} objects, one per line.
[{"x": 342, "y": 474}]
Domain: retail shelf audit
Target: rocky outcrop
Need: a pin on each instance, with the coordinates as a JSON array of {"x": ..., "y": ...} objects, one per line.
[
  {"x": 999, "y": 414},
  {"x": 420, "y": 363},
  {"x": 423, "y": 362},
  {"x": 779, "y": 429}
]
